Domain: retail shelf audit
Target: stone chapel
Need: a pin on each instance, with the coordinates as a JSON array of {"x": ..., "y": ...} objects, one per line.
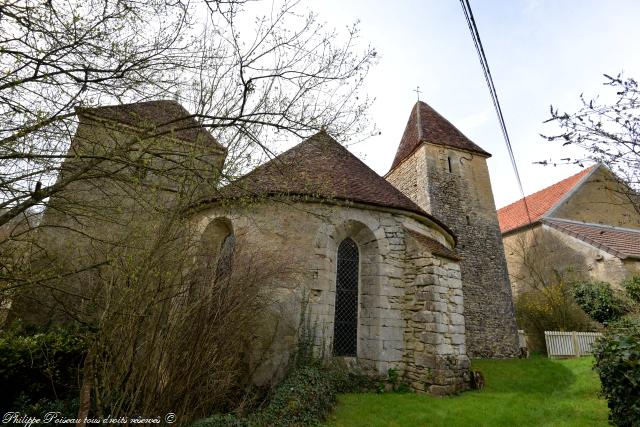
[{"x": 405, "y": 271}]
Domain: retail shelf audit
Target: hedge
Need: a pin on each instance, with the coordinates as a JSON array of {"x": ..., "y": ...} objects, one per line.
[{"x": 617, "y": 356}]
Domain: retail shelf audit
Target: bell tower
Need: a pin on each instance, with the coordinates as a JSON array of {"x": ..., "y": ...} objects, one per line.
[{"x": 446, "y": 174}]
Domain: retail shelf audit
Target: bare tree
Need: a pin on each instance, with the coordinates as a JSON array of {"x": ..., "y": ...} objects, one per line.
[
  {"x": 93, "y": 201},
  {"x": 290, "y": 76},
  {"x": 542, "y": 270},
  {"x": 608, "y": 131}
]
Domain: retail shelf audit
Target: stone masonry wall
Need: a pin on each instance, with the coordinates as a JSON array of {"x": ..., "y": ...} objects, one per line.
[
  {"x": 463, "y": 200},
  {"x": 435, "y": 357},
  {"x": 309, "y": 235},
  {"x": 553, "y": 252},
  {"x": 410, "y": 177}
]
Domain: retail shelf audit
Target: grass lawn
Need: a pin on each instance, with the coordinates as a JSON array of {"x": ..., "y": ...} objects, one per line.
[{"x": 533, "y": 392}]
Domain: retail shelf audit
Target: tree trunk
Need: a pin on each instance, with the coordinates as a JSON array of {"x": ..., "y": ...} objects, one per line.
[{"x": 85, "y": 391}]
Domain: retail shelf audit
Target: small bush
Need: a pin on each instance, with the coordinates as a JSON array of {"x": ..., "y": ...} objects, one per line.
[
  {"x": 67, "y": 408},
  {"x": 599, "y": 301},
  {"x": 550, "y": 308},
  {"x": 617, "y": 356},
  {"x": 350, "y": 379},
  {"x": 304, "y": 398},
  {"x": 39, "y": 369},
  {"x": 632, "y": 287}
]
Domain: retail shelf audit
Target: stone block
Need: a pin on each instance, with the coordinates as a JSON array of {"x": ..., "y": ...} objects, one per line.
[
  {"x": 424, "y": 280},
  {"x": 423, "y": 317},
  {"x": 444, "y": 348},
  {"x": 393, "y": 323},
  {"x": 457, "y": 300},
  {"x": 457, "y": 339},
  {"x": 424, "y": 296},
  {"x": 464, "y": 362},
  {"x": 456, "y": 329},
  {"x": 392, "y": 355},
  {"x": 437, "y": 306},
  {"x": 436, "y": 327},
  {"x": 431, "y": 338},
  {"x": 425, "y": 361},
  {"x": 456, "y": 319}
]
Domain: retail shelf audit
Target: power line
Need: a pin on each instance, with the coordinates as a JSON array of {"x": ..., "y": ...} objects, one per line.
[{"x": 475, "y": 35}]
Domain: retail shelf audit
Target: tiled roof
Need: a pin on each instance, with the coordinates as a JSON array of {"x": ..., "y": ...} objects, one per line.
[
  {"x": 434, "y": 246},
  {"x": 426, "y": 125},
  {"x": 621, "y": 242},
  {"x": 322, "y": 168},
  {"x": 514, "y": 215},
  {"x": 163, "y": 116}
]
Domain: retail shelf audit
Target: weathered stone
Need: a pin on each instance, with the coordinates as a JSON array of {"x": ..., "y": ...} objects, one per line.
[
  {"x": 462, "y": 197},
  {"x": 423, "y": 317},
  {"x": 456, "y": 319}
]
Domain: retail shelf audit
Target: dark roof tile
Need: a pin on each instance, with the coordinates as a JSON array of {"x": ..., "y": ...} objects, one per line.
[
  {"x": 320, "y": 167},
  {"x": 434, "y": 246},
  {"x": 427, "y": 125},
  {"x": 618, "y": 241}
]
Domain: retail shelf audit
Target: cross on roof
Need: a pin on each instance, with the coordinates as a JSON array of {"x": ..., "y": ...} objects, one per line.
[{"x": 418, "y": 92}]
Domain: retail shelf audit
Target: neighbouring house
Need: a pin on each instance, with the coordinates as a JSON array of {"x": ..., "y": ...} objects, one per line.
[
  {"x": 404, "y": 272},
  {"x": 586, "y": 226}
]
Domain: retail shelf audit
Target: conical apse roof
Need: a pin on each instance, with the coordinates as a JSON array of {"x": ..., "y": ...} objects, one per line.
[{"x": 321, "y": 168}]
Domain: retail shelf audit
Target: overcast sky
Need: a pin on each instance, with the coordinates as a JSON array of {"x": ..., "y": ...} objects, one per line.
[{"x": 541, "y": 52}]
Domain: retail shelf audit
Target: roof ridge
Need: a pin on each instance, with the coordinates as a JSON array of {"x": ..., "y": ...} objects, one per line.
[
  {"x": 541, "y": 203},
  {"x": 548, "y": 187},
  {"x": 418, "y": 122}
]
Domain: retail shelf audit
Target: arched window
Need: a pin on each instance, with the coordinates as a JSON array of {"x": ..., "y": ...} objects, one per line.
[
  {"x": 225, "y": 259},
  {"x": 216, "y": 249},
  {"x": 345, "y": 329}
]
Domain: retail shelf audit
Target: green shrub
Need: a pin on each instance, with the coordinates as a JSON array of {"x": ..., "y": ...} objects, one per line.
[
  {"x": 550, "y": 308},
  {"x": 350, "y": 379},
  {"x": 308, "y": 392},
  {"x": 599, "y": 301},
  {"x": 304, "y": 398},
  {"x": 39, "y": 369},
  {"x": 617, "y": 356},
  {"x": 67, "y": 408},
  {"x": 632, "y": 287}
]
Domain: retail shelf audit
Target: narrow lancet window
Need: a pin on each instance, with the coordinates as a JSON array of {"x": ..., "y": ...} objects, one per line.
[{"x": 345, "y": 330}]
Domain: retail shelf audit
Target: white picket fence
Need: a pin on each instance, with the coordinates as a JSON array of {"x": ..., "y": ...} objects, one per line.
[{"x": 569, "y": 344}]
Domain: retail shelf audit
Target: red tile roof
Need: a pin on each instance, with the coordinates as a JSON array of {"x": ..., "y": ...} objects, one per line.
[
  {"x": 621, "y": 242},
  {"x": 321, "y": 168},
  {"x": 427, "y": 125},
  {"x": 514, "y": 215},
  {"x": 162, "y": 116}
]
